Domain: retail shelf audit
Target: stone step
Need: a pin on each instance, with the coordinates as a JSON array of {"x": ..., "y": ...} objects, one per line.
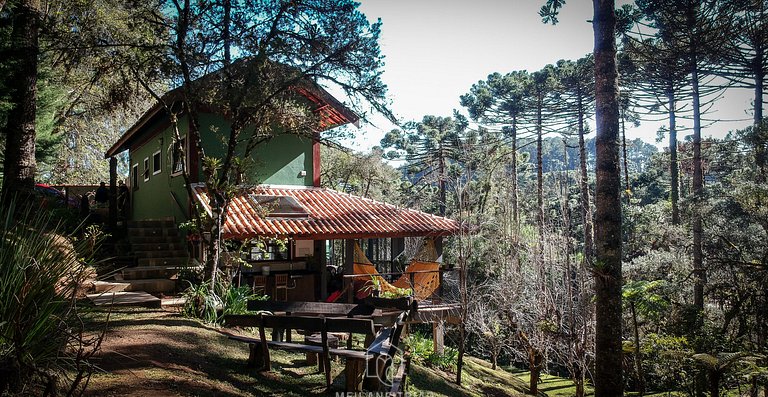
[
  {"x": 169, "y": 261},
  {"x": 160, "y": 254}
]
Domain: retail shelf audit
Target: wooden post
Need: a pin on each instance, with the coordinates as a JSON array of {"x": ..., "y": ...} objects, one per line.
[
  {"x": 438, "y": 336},
  {"x": 441, "y": 281},
  {"x": 112, "y": 193},
  {"x": 439, "y": 248},
  {"x": 369, "y": 245},
  {"x": 320, "y": 260},
  {"x": 397, "y": 246},
  {"x": 349, "y": 267}
]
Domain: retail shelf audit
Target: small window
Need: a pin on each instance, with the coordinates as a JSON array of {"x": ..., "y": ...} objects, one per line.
[
  {"x": 178, "y": 164},
  {"x": 135, "y": 176},
  {"x": 146, "y": 169},
  {"x": 279, "y": 206},
  {"x": 156, "y": 163}
]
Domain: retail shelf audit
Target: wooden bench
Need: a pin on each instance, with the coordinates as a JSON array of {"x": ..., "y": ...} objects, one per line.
[{"x": 259, "y": 347}]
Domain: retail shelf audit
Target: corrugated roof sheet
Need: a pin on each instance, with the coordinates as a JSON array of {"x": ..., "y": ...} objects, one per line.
[{"x": 332, "y": 215}]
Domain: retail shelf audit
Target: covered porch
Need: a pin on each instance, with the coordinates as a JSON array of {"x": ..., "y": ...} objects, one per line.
[{"x": 311, "y": 240}]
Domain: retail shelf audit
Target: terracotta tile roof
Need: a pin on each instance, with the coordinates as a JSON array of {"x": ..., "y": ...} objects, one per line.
[{"x": 327, "y": 214}]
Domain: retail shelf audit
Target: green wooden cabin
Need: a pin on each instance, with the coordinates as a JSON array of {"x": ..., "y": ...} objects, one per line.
[{"x": 156, "y": 184}]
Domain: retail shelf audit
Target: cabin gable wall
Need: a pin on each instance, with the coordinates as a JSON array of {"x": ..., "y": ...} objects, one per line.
[{"x": 285, "y": 159}]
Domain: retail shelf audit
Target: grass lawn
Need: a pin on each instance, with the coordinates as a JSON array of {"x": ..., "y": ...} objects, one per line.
[{"x": 150, "y": 352}]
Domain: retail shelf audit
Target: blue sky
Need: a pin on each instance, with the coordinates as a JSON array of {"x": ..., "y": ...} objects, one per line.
[{"x": 435, "y": 50}]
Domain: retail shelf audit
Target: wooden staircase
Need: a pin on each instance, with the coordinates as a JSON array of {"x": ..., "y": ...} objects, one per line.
[{"x": 159, "y": 252}]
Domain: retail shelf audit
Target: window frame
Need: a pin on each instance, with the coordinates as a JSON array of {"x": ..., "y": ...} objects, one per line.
[
  {"x": 146, "y": 169},
  {"x": 135, "y": 176},
  {"x": 157, "y": 167},
  {"x": 175, "y": 160}
]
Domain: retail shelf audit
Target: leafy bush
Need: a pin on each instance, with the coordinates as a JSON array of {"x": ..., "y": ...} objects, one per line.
[
  {"x": 211, "y": 306},
  {"x": 200, "y": 302},
  {"x": 422, "y": 351},
  {"x": 42, "y": 347},
  {"x": 667, "y": 362}
]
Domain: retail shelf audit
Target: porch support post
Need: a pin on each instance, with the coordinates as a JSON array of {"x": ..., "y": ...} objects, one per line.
[
  {"x": 112, "y": 193},
  {"x": 438, "y": 336},
  {"x": 397, "y": 246},
  {"x": 439, "y": 248},
  {"x": 349, "y": 267},
  {"x": 319, "y": 254}
]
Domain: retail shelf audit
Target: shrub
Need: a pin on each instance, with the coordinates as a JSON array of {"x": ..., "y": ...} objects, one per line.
[
  {"x": 422, "y": 351},
  {"x": 211, "y": 306},
  {"x": 42, "y": 347}
]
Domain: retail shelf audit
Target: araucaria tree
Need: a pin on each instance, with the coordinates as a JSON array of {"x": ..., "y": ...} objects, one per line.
[
  {"x": 607, "y": 268},
  {"x": 501, "y": 102},
  {"x": 429, "y": 147},
  {"x": 19, "y": 166},
  {"x": 696, "y": 32},
  {"x": 576, "y": 83}
]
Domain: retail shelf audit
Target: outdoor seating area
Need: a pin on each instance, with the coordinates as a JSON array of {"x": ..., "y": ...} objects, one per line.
[{"x": 323, "y": 325}]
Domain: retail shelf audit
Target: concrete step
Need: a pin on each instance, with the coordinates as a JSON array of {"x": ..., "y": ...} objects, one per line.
[
  {"x": 149, "y": 272},
  {"x": 141, "y": 240},
  {"x": 137, "y": 298},
  {"x": 152, "y": 232},
  {"x": 109, "y": 286},
  {"x": 160, "y": 254},
  {"x": 160, "y": 246},
  {"x": 152, "y": 285},
  {"x": 160, "y": 223},
  {"x": 178, "y": 261}
]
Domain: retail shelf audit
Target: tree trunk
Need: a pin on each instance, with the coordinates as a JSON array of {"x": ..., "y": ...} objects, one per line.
[
  {"x": 515, "y": 209},
  {"x": 698, "y": 185},
  {"x": 759, "y": 82},
  {"x": 586, "y": 208},
  {"x": 638, "y": 353},
  {"x": 535, "y": 361},
  {"x": 714, "y": 384},
  {"x": 579, "y": 381},
  {"x": 464, "y": 309},
  {"x": 674, "y": 170},
  {"x": 625, "y": 164},
  {"x": 759, "y": 72},
  {"x": 698, "y": 190},
  {"x": 607, "y": 269},
  {"x": 539, "y": 169},
  {"x": 19, "y": 165},
  {"x": 441, "y": 182}
]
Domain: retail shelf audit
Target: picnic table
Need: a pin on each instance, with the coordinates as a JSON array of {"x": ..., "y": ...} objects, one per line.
[{"x": 319, "y": 321}]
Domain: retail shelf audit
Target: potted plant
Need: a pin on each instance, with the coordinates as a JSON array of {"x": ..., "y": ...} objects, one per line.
[{"x": 397, "y": 298}]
